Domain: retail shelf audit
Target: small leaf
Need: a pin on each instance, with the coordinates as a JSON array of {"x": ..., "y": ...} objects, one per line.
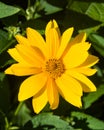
[
  {"x": 92, "y": 97},
  {"x": 23, "y": 115},
  {"x": 47, "y": 121},
  {"x": 91, "y": 30},
  {"x": 97, "y": 43},
  {"x": 4, "y": 42},
  {"x": 7, "y": 10},
  {"x": 91, "y": 9},
  {"x": 96, "y": 11},
  {"x": 48, "y": 8},
  {"x": 98, "y": 40},
  {"x": 79, "y": 6},
  {"x": 92, "y": 123}
]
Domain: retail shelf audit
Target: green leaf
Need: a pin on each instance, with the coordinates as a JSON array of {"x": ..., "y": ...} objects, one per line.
[
  {"x": 4, "y": 42},
  {"x": 91, "y": 30},
  {"x": 96, "y": 11},
  {"x": 46, "y": 121},
  {"x": 23, "y": 115},
  {"x": 91, "y": 122},
  {"x": 7, "y": 10},
  {"x": 91, "y": 9},
  {"x": 4, "y": 93},
  {"x": 97, "y": 42},
  {"x": 48, "y": 8},
  {"x": 79, "y": 6},
  {"x": 92, "y": 97}
]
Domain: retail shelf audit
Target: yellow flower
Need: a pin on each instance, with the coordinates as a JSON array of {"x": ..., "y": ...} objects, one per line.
[{"x": 59, "y": 66}]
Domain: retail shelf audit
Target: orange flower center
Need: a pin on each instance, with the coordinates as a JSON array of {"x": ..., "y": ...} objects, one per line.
[{"x": 55, "y": 68}]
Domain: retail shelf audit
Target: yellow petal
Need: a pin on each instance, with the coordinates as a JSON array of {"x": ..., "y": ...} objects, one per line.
[
  {"x": 85, "y": 87},
  {"x": 75, "y": 56},
  {"x": 64, "y": 41},
  {"x": 70, "y": 89},
  {"x": 85, "y": 45},
  {"x": 52, "y": 93},
  {"x": 36, "y": 39},
  {"x": 30, "y": 55},
  {"x": 85, "y": 71},
  {"x": 31, "y": 86},
  {"x": 52, "y": 43},
  {"x": 52, "y": 24},
  {"x": 22, "y": 70},
  {"x": 90, "y": 61},
  {"x": 82, "y": 79},
  {"x": 15, "y": 55},
  {"x": 79, "y": 38},
  {"x": 9, "y": 71},
  {"x": 39, "y": 101},
  {"x": 22, "y": 40},
  {"x": 71, "y": 84}
]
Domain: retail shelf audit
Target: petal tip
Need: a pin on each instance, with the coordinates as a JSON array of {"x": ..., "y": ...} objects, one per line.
[
  {"x": 20, "y": 97},
  {"x": 28, "y": 29},
  {"x": 8, "y": 71},
  {"x": 17, "y": 36},
  {"x": 71, "y": 28},
  {"x": 53, "y": 107},
  {"x": 94, "y": 89}
]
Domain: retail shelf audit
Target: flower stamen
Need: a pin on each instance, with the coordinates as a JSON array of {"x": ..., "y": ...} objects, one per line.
[{"x": 55, "y": 68}]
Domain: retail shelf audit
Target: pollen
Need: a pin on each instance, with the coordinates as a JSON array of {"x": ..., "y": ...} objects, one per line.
[{"x": 55, "y": 68}]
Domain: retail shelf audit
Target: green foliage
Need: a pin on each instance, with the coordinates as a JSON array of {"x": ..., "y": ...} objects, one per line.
[
  {"x": 4, "y": 41},
  {"x": 46, "y": 121},
  {"x": 92, "y": 97},
  {"x": 7, "y": 10},
  {"x": 98, "y": 43},
  {"x": 96, "y": 11},
  {"x": 92, "y": 9},
  {"x": 23, "y": 115},
  {"x": 48, "y": 8},
  {"x": 85, "y": 16},
  {"x": 92, "y": 123}
]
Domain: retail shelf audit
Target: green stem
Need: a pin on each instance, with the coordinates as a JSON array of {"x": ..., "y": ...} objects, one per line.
[
  {"x": 11, "y": 124},
  {"x": 18, "y": 108},
  {"x": 6, "y": 123},
  {"x": 6, "y": 120},
  {"x": 29, "y": 4}
]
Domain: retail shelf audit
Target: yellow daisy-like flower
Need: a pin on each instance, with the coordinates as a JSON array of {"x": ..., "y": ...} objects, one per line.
[{"x": 58, "y": 66}]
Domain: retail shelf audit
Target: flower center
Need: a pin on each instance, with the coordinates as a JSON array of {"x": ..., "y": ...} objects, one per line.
[{"x": 55, "y": 68}]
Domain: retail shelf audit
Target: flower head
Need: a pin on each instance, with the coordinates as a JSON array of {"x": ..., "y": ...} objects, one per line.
[{"x": 56, "y": 65}]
